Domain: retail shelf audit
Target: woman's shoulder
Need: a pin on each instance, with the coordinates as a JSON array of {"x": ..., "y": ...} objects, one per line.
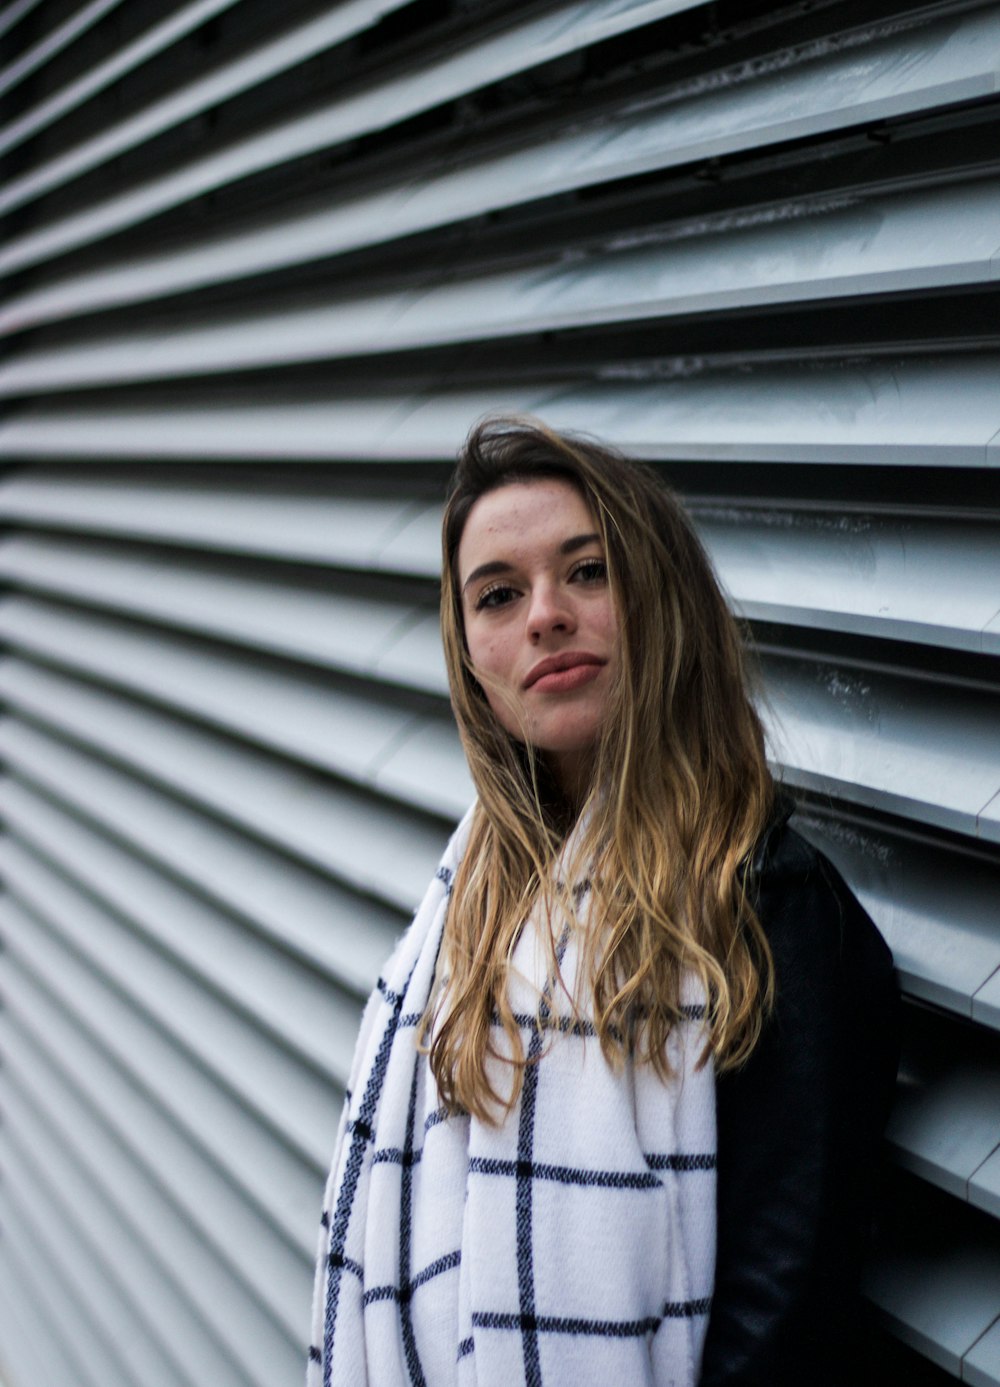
[
  {"x": 784, "y": 854},
  {"x": 794, "y": 882},
  {"x": 823, "y": 941},
  {"x": 800, "y": 1124}
]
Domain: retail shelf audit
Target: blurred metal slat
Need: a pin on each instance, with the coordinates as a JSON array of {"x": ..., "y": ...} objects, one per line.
[
  {"x": 83, "y": 1182},
  {"x": 634, "y": 144},
  {"x": 338, "y": 530},
  {"x": 41, "y": 1281},
  {"x": 284, "y": 52},
  {"x": 922, "y": 240},
  {"x": 132, "y": 1214},
  {"x": 91, "y": 1267},
  {"x": 935, "y": 905},
  {"x": 354, "y": 634},
  {"x": 375, "y": 849},
  {"x": 905, "y": 412},
  {"x": 204, "y": 1196},
  {"x": 97, "y": 78},
  {"x": 940, "y": 1300},
  {"x": 282, "y": 1092},
  {"x": 344, "y": 734},
  {"x": 104, "y": 1041},
  {"x": 220, "y": 956},
  {"x": 53, "y": 43},
  {"x": 12, "y": 14},
  {"x": 904, "y": 72}
]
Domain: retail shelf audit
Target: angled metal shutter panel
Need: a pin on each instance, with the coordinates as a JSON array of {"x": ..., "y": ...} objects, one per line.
[{"x": 263, "y": 267}]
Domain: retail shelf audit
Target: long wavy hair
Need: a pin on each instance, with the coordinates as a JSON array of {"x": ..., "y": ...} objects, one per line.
[{"x": 679, "y": 794}]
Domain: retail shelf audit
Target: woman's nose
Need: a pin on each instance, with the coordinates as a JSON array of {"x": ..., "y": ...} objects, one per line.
[{"x": 549, "y": 610}]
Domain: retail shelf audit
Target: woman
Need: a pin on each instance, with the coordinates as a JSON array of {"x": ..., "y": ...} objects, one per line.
[{"x": 617, "y": 1101}]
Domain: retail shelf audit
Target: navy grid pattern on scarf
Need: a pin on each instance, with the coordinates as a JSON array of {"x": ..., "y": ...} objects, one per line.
[
  {"x": 418, "y": 1282},
  {"x": 524, "y": 1171}
]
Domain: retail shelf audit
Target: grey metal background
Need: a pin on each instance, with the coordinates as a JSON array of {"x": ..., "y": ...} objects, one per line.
[{"x": 262, "y": 266}]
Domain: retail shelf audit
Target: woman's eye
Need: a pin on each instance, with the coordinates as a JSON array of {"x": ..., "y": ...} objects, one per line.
[
  {"x": 497, "y": 596},
  {"x": 591, "y": 571}
]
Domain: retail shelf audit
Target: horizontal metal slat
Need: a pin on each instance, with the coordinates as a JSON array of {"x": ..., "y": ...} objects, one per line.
[
  {"x": 931, "y": 580},
  {"x": 133, "y": 1295},
  {"x": 97, "y": 78},
  {"x": 294, "y": 1007},
  {"x": 171, "y": 1069},
  {"x": 385, "y": 535},
  {"x": 292, "y": 1099},
  {"x": 984, "y": 1191},
  {"x": 415, "y": 759},
  {"x": 344, "y": 734},
  {"x": 423, "y": 765},
  {"x": 939, "y": 1290},
  {"x": 807, "y": 93},
  {"x": 935, "y": 906},
  {"x": 484, "y": 61},
  {"x": 987, "y": 1004},
  {"x": 358, "y": 635},
  {"x": 107, "y": 1044},
  {"x": 202, "y": 1190},
  {"x": 60, "y": 38},
  {"x": 261, "y": 64},
  {"x": 382, "y": 741},
  {"x": 305, "y": 913},
  {"x": 981, "y": 1365},
  {"x": 39, "y": 1274},
  {"x": 92, "y": 1270},
  {"x": 902, "y": 744},
  {"x": 945, "y": 1122},
  {"x": 13, "y": 13},
  {"x": 123, "y": 1209},
  {"x": 30, "y": 1352},
  {"x": 915, "y": 241},
  {"x": 431, "y": 750},
  {"x": 137, "y": 1241},
  {"x": 368, "y": 845},
  {"x": 900, "y": 412}
]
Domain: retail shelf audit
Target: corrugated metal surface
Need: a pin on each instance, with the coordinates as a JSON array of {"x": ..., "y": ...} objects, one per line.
[{"x": 263, "y": 266}]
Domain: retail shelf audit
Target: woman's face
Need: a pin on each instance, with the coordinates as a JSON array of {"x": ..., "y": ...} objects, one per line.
[{"x": 540, "y": 626}]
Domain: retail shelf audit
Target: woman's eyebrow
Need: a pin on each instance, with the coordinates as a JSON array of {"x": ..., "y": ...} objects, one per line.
[
  {"x": 570, "y": 546},
  {"x": 487, "y": 570}
]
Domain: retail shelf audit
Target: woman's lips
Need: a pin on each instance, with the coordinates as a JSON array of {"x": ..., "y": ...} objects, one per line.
[
  {"x": 567, "y": 676},
  {"x": 563, "y": 680}
]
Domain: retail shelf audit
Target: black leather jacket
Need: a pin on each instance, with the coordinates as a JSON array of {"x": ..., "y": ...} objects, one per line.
[{"x": 800, "y": 1130}]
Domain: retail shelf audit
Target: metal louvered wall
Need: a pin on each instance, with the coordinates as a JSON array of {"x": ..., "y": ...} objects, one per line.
[{"x": 263, "y": 265}]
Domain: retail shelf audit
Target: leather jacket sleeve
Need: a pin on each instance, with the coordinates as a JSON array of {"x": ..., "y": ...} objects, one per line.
[{"x": 800, "y": 1127}]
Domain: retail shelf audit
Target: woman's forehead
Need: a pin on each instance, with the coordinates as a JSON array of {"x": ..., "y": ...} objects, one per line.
[{"x": 520, "y": 516}]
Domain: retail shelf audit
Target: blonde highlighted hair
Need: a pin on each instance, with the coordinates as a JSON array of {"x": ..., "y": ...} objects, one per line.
[{"x": 679, "y": 796}]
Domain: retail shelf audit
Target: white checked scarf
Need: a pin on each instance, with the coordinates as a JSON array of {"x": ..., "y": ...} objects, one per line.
[{"x": 574, "y": 1246}]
